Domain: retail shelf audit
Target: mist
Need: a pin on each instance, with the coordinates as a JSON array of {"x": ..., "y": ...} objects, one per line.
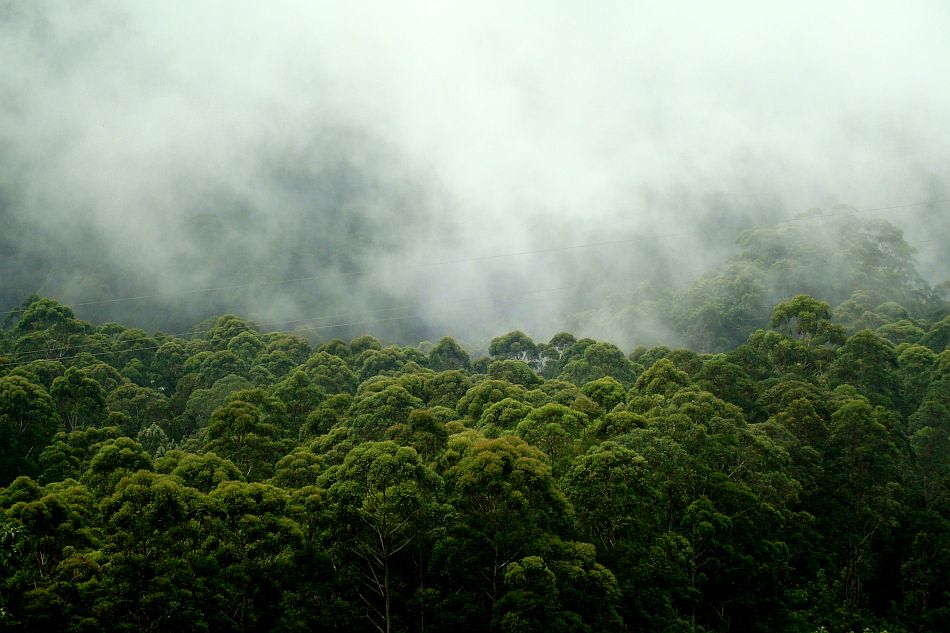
[{"x": 419, "y": 169}]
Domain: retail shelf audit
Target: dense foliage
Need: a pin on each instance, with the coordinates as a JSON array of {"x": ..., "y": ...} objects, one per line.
[{"x": 241, "y": 480}]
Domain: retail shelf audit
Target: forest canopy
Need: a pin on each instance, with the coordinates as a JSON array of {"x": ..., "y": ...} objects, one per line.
[{"x": 787, "y": 470}]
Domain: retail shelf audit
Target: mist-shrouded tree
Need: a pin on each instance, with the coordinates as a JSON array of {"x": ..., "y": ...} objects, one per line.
[
  {"x": 225, "y": 328},
  {"x": 514, "y": 371},
  {"x": 48, "y": 328},
  {"x": 515, "y": 345},
  {"x": 447, "y": 354}
]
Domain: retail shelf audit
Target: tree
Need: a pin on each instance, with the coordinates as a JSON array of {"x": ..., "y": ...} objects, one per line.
[
  {"x": 915, "y": 365},
  {"x": 937, "y": 337},
  {"x": 81, "y": 400},
  {"x": 504, "y": 415},
  {"x": 727, "y": 381},
  {"x": 422, "y": 431},
  {"x": 47, "y": 328},
  {"x": 530, "y": 602},
  {"x": 869, "y": 363},
  {"x": 247, "y": 346},
  {"x": 807, "y": 319},
  {"x": 299, "y": 468},
  {"x": 300, "y": 396},
  {"x": 239, "y": 432},
  {"x": 507, "y": 501},
  {"x": 167, "y": 366},
  {"x": 113, "y": 461},
  {"x": 52, "y": 531},
  {"x": 599, "y": 360},
  {"x": 661, "y": 378},
  {"x": 201, "y": 403},
  {"x": 69, "y": 454},
  {"x": 28, "y": 421},
  {"x": 556, "y": 430},
  {"x": 252, "y": 555},
  {"x": 611, "y": 492},
  {"x": 448, "y": 355},
  {"x": 156, "y": 530},
  {"x": 863, "y": 466},
  {"x": 384, "y": 503},
  {"x": 142, "y": 406},
  {"x": 607, "y": 392},
  {"x": 445, "y": 388},
  {"x": 377, "y": 412},
  {"x": 486, "y": 393},
  {"x": 515, "y": 345},
  {"x": 225, "y": 329},
  {"x": 330, "y": 373}
]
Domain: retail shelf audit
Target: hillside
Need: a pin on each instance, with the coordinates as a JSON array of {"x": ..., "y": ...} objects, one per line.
[{"x": 234, "y": 479}]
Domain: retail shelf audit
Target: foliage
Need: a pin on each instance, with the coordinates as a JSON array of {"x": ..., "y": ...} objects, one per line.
[{"x": 240, "y": 480}]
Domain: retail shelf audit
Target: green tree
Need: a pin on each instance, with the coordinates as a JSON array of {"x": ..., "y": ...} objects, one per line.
[
  {"x": 253, "y": 555},
  {"x": 448, "y": 355},
  {"x": 80, "y": 400},
  {"x": 384, "y": 505},
  {"x": 239, "y": 432},
  {"x": 330, "y": 373},
  {"x": 599, "y": 360},
  {"x": 514, "y": 371},
  {"x": 28, "y": 421},
  {"x": 863, "y": 492},
  {"x": 612, "y": 494},
  {"x": 807, "y": 319},
  {"x": 203, "y": 472},
  {"x": 556, "y": 430},
  {"x": 515, "y": 345},
  {"x": 300, "y": 396},
  {"x": 486, "y": 393},
  {"x": 869, "y": 363},
  {"x": 156, "y": 529},
  {"x": 507, "y": 501},
  {"x": 375, "y": 413}
]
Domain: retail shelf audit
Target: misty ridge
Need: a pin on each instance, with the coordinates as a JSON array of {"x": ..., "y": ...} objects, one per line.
[{"x": 415, "y": 172}]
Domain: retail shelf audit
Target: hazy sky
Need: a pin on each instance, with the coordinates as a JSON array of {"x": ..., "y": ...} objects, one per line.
[{"x": 455, "y": 132}]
